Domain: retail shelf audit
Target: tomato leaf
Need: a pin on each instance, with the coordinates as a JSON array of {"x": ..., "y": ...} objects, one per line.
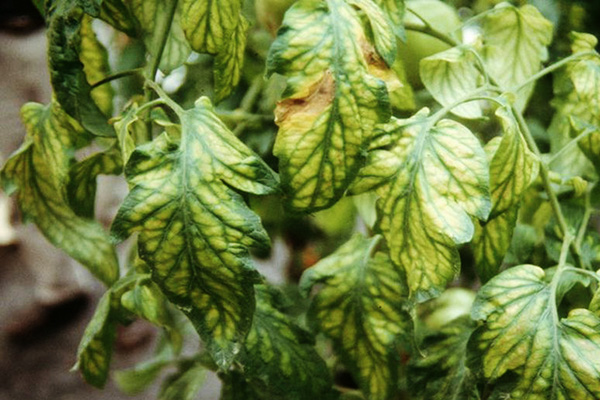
[
  {"x": 425, "y": 210},
  {"x": 452, "y": 75},
  {"x": 184, "y": 384},
  {"x": 82, "y": 181},
  {"x": 66, "y": 45},
  {"x": 229, "y": 61},
  {"x": 279, "y": 357},
  {"x": 522, "y": 333},
  {"x": 331, "y": 103},
  {"x": 394, "y": 9},
  {"x": 515, "y": 41},
  {"x": 39, "y": 170},
  {"x": 359, "y": 307},
  {"x": 194, "y": 229},
  {"x": 441, "y": 371},
  {"x": 95, "y": 349}
]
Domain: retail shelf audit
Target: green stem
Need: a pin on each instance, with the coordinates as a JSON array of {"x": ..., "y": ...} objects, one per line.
[
  {"x": 165, "y": 97},
  {"x": 236, "y": 116},
  {"x": 252, "y": 94},
  {"x": 475, "y": 95},
  {"x": 155, "y": 61},
  {"x": 115, "y": 76},
  {"x": 150, "y": 104},
  {"x": 562, "y": 262},
  {"x": 551, "y": 68},
  {"x": 428, "y": 30},
  {"x": 569, "y": 145},
  {"x": 584, "y": 221},
  {"x": 591, "y": 274},
  {"x": 545, "y": 174}
]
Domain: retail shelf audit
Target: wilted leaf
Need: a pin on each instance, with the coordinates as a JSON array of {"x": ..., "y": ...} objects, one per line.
[
  {"x": 96, "y": 346},
  {"x": 69, "y": 81},
  {"x": 425, "y": 211},
  {"x": 360, "y": 308},
  {"x": 194, "y": 229},
  {"x": 452, "y": 75},
  {"x": 331, "y": 103},
  {"x": 383, "y": 37},
  {"x": 39, "y": 170},
  {"x": 82, "y": 182},
  {"x": 550, "y": 358},
  {"x": 515, "y": 41}
]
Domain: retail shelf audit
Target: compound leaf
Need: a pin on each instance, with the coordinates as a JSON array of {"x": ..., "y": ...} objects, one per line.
[
  {"x": 195, "y": 230},
  {"x": 522, "y": 333},
  {"x": 425, "y": 210},
  {"x": 452, "y": 75},
  {"x": 359, "y": 307},
  {"x": 441, "y": 372},
  {"x": 331, "y": 102},
  {"x": 515, "y": 41},
  {"x": 40, "y": 172},
  {"x": 279, "y": 357}
]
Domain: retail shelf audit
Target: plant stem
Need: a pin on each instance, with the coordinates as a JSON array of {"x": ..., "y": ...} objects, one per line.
[
  {"x": 155, "y": 61},
  {"x": 551, "y": 68},
  {"x": 164, "y": 97},
  {"x": 591, "y": 274},
  {"x": 115, "y": 76},
  {"x": 428, "y": 30},
  {"x": 544, "y": 173},
  {"x": 562, "y": 262},
  {"x": 571, "y": 143}
]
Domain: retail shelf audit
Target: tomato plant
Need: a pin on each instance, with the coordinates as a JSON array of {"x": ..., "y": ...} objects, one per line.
[{"x": 470, "y": 273}]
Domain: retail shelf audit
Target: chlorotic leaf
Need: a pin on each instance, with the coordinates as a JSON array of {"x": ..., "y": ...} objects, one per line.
[
  {"x": 331, "y": 103},
  {"x": 94, "y": 57},
  {"x": 441, "y": 371},
  {"x": 95, "y": 349},
  {"x": 228, "y": 62},
  {"x": 491, "y": 242},
  {"x": 208, "y": 25},
  {"x": 184, "y": 384},
  {"x": 513, "y": 167},
  {"x": 452, "y": 75},
  {"x": 359, "y": 307},
  {"x": 40, "y": 171},
  {"x": 380, "y": 167},
  {"x": 383, "y": 37},
  {"x": 129, "y": 127},
  {"x": 65, "y": 19},
  {"x": 425, "y": 210},
  {"x": 279, "y": 358},
  {"x": 82, "y": 182},
  {"x": 515, "y": 41},
  {"x": 195, "y": 230},
  {"x": 147, "y": 301},
  {"x": 550, "y": 358},
  {"x": 394, "y": 9}
]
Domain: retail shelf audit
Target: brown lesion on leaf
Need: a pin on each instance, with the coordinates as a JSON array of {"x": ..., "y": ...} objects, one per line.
[
  {"x": 377, "y": 66},
  {"x": 320, "y": 95}
]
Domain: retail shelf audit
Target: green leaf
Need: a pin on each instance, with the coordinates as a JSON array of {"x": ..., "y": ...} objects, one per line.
[
  {"x": 129, "y": 127},
  {"x": 331, "y": 103},
  {"x": 359, "y": 307},
  {"x": 94, "y": 57},
  {"x": 148, "y": 302},
  {"x": 522, "y": 333},
  {"x": 394, "y": 9},
  {"x": 279, "y": 357},
  {"x": 515, "y": 41},
  {"x": 66, "y": 46},
  {"x": 39, "y": 170},
  {"x": 383, "y": 37},
  {"x": 209, "y": 24},
  {"x": 95, "y": 349},
  {"x": 491, "y": 242},
  {"x": 185, "y": 384},
  {"x": 137, "y": 379},
  {"x": 425, "y": 211},
  {"x": 513, "y": 167},
  {"x": 228, "y": 62},
  {"x": 195, "y": 230},
  {"x": 82, "y": 181},
  {"x": 236, "y": 387},
  {"x": 452, "y": 75},
  {"x": 441, "y": 372}
]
